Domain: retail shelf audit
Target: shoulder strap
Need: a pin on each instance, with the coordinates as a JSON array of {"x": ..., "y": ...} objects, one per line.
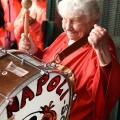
[{"x": 73, "y": 47}]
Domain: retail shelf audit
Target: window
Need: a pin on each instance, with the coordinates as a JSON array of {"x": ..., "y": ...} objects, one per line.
[{"x": 110, "y": 18}]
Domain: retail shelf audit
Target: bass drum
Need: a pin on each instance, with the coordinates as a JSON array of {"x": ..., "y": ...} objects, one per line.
[{"x": 34, "y": 96}]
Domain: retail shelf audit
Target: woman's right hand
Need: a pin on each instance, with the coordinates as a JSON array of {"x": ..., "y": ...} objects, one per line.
[{"x": 27, "y": 44}]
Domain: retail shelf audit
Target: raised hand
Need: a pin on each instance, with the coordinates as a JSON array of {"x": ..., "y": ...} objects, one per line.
[{"x": 99, "y": 41}]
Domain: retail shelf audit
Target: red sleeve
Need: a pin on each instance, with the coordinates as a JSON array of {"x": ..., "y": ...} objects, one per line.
[
  {"x": 105, "y": 72},
  {"x": 38, "y": 53}
]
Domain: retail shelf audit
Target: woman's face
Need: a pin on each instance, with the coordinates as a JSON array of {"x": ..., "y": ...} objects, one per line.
[{"x": 76, "y": 27}]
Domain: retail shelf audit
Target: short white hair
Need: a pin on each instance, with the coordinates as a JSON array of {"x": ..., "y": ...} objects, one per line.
[{"x": 89, "y": 8}]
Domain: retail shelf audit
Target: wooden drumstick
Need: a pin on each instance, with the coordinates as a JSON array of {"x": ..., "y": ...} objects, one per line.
[{"x": 26, "y": 4}]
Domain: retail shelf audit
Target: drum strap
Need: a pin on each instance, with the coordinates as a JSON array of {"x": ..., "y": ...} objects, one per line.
[{"x": 73, "y": 47}]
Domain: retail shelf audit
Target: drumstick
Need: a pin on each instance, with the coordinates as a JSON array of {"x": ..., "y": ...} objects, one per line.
[{"x": 26, "y": 4}]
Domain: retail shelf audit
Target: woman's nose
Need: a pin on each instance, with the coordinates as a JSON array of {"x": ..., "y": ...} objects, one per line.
[{"x": 68, "y": 26}]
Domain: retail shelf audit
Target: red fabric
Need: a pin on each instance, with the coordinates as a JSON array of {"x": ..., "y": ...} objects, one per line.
[
  {"x": 2, "y": 37},
  {"x": 90, "y": 103},
  {"x": 37, "y": 12},
  {"x": 105, "y": 71},
  {"x": 17, "y": 6}
]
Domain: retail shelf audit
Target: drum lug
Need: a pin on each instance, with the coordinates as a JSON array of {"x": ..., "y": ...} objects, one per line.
[
  {"x": 9, "y": 100},
  {"x": 50, "y": 65},
  {"x": 42, "y": 72},
  {"x": 22, "y": 61},
  {"x": 68, "y": 75},
  {"x": 2, "y": 51}
]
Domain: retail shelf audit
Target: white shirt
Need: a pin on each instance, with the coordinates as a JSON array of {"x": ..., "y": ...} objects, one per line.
[{"x": 71, "y": 42}]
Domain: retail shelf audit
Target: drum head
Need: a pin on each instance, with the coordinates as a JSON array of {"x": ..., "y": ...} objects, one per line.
[{"x": 47, "y": 97}]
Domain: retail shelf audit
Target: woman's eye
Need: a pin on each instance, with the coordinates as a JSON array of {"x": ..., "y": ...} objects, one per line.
[
  {"x": 76, "y": 23},
  {"x": 64, "y": 20}
]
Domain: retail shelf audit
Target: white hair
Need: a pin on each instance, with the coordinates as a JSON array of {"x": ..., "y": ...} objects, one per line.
[{"x": 89, "y": 8}]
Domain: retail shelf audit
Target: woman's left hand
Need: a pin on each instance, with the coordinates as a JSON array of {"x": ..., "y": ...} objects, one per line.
[
  {"x": 99, "y": 41},
  {"x": 98, "y": 38}
]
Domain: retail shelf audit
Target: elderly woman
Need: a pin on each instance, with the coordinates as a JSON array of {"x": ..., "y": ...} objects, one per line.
[{"x": 94, "y": 65}]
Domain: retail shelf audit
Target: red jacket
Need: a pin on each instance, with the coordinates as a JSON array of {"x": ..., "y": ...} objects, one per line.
[{"x": 90, "y": 102}]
